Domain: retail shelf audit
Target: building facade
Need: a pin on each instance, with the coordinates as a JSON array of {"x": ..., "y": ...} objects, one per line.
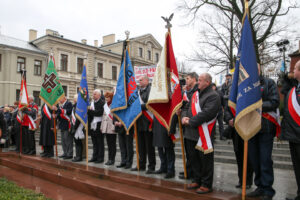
[{"x": 103, "y": 63}]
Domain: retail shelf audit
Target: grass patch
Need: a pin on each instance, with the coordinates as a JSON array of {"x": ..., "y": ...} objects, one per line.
[{"x": 10, "y": 191}]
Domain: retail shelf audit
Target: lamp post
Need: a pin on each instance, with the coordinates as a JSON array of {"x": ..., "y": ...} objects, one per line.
[{"x": 281, "y": 45}]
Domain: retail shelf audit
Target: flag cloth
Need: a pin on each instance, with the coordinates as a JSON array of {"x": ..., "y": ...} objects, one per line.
[
  {"x": 282, "y": 68},
  {"x": 126, "y": 106},
  {"x": 245, "y": 95},
  {"x": 23, "y": 101},
  {"x": 51, "y": 90},
  {"x": 165, "y": 94},
  {"x": 83, "y": 99}
]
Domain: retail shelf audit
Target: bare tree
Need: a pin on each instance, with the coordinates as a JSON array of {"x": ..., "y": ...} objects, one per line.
[{"x": 223, "y": 26}]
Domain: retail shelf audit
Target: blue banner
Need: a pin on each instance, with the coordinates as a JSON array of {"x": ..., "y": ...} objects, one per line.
[
  {"x": 245, "y": 95},
  {"x": 83, "y": 99},
  {"x": 126, "y": 106}
]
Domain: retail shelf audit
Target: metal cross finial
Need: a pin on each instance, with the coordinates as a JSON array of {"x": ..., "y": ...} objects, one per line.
[
  {"x": 168, "y": 19},
  {"x": 127, "y": 34}
]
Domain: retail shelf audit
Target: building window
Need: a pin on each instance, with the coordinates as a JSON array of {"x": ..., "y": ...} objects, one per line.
[
  {"x": 114, "y": 72},
  {"x": 20, "y": 64},
  {"x": 64, "y": 62},
  {"x": 17, "y": 95},
  {"x": 36, "y": 97},
  {"x": 149, "y": 55},
  {"x": 156, "y": 57},
  {"x": 0, "y": 61},
  {"x": 79, "y": 65},
  {"x": 37, "y": 67},
  {"x": 141, "y": 52},
  {"x": 100, "y": 70},
  {"x": 65, "y": 88}
]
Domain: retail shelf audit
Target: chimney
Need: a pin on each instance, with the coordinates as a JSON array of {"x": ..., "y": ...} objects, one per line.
[
  {"x": 32, "y": 34},
  {"x": 83, "y": 41},
  {"x": 52, "y": 32},
  {"x": 96, "y": 43},
  {"x": 108, "y": 39}
]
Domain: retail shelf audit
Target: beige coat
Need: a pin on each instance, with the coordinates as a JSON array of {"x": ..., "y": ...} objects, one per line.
[{"x": 107, "y": 125}]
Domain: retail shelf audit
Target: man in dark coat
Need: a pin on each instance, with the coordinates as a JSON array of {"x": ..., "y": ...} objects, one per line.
[
  {"x": 261, "y": 145},
  {"x": 3, "y": 128},
  {"x": 63, "y": 113},
  {"x": 47, "y": 138},
  {"x": 165, "y": 146},
  {"x": 95, "y": 113},
  {"x": 125, "y": 144},
  {"x": 202, "y": 162},
  {"x": 33, "y": 109},
  {"x": 78, "y": 134},
  {"x": 291, "y": 123},
  {"x": 190, "y": 88},
  {"x": 145, "y": 136}
]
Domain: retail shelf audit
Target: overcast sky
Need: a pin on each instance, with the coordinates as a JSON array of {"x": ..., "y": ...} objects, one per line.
[{"x": 92, "y": 19}]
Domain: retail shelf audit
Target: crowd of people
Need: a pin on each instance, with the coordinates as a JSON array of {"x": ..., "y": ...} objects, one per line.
[{"x": 203, "y": 105}]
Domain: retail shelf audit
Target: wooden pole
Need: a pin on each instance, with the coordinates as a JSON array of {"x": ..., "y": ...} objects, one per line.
[
  {"x": 87, "y": 143},
  {"x": 21, "y": 137},
  {"x": 136, "y": 147},
  {"x": 245, "y": 169},
  {"x": 54, "y": 129},
  {"x": 182, "y": 146}
]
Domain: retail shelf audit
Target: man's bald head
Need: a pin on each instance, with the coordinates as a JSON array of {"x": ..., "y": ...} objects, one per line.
[{"x": 204, "y": 80}]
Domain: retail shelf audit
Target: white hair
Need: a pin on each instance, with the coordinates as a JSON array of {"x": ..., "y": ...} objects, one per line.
[
  {"x": 75, "y": 96},
  {"x": 97, "y": 91},
  {"x": 31, "y": 96}
]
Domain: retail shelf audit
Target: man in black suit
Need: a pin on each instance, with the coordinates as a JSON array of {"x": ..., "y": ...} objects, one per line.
[{"x": 95, "y": 113}]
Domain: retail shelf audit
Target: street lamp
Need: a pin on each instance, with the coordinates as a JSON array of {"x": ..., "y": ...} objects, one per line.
[{"x": 281, "y": 45}]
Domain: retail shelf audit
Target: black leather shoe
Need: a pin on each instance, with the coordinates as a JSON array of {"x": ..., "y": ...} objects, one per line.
[
  {"x": 127, "y": 167},
  {"x": 99, "y": 161},
  {"x": 182, "y": 177},
  {"x": 31, "y": 153},
  {"x": 68, "y": 157},
  {"x": 45, "y": 155},
  {"x": 169, "y": 175},
  {"x": 76, "y": 159},
  {"x": 255, "y": 193},
  {"x": 62, "y": 156},
  {"x": 150, "y": 171},
  {"x": 49, "y": 155},
  {"x": 121, "y": 165},
  {"x": 41, "y": 154},
  {"x": 181, "y": 173},
  {"x": 110, "y": 162},
  {"x": 160, "y": 171},
  {"x": 238, "y": 185},
  {"x": 92, "y": 160}
]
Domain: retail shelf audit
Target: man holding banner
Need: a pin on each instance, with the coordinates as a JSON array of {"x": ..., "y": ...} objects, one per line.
[
  {"x": 249, "y": 95},
  {"x": 199, "y": 121}
]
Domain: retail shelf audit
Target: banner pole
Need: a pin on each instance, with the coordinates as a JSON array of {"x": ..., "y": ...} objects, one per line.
[
  {"x": 87, "y": 144},
  {"x": 21, "y": 137},
  {"x": 182, "y": 146},
  {"x": 136, "y": 147},
  {"x": 245, "y": 169},
  {"x": 54, "y": 129}
]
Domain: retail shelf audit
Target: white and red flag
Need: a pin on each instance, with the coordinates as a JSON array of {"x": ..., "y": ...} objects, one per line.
[{"x": 165, "y": 94}]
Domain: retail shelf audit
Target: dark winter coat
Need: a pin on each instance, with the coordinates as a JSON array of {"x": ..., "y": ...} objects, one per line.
[
  {"x": 210, "y": 105},
  {"x": 142, "y": 122},
  {"x": 98, "y": 112},
  {"x": 47, "y": 135},
  {"x": 161, "y": 137}
]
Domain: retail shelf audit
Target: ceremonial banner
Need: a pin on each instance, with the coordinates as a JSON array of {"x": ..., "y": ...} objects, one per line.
[
  {"x": 245, "y": 96},
  {"x": 165, "y": 94},
  {"x": 51, "y": 90},
  {"x": 83, "y": 99},
  {"x": 23, "y": 101},
  {"x": 126, "y": 106}
]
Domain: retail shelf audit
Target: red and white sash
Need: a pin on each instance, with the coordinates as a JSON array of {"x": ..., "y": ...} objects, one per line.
[
  {"x": 32, "y": 123},
  {"x": 95, "y": 119},
  {"x": 175, "y": 137},
  {"x": 73, "y": 118},
  {"x": 47, "y": 112},
  {"x": 107, "y": 111},
  {"x": 274, "y": 117},
  {"x": 19, "y": 117},
  {"x": 64, "y": 116},
  {"x": 149, "y": 116},
  {"x": 185, "y": 97},
  {"x": 204, "y": 143},
  {"x": 293, "y": 106}
]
